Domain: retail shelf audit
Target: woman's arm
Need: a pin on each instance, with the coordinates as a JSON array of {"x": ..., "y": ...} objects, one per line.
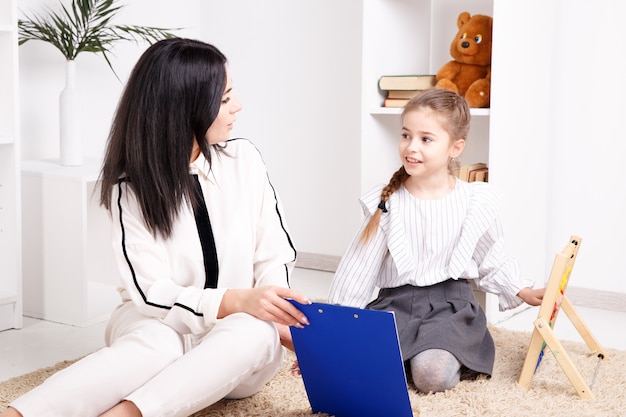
[
  {"x": 265, "y": 303},
  {"x": 274, "y": 254},
  {"x": 147, "y": 272}
]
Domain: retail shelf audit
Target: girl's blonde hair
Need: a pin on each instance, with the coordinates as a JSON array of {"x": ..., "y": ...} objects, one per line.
[{"x": 454, "y": 116}]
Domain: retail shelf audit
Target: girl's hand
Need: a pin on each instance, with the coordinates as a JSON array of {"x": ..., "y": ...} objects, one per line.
[
  {"x": 531, "y": 296},
  {"x": 265, "y": 303},
  {"x": 295, "y": 369},
  {"x": 285, "y": 336},
  {"x": 285, "y": 340}
]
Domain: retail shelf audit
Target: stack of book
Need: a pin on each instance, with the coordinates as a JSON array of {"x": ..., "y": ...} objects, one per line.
[
  {"x": 474, "y": 172},
  {"x": 399, "y": 89}
]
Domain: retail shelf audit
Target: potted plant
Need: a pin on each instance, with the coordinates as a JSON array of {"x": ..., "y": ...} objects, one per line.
[{"x": 85, "y": 26}]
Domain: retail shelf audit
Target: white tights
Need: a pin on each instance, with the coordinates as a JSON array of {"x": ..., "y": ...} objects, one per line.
[{"x": 435, "y": 370}]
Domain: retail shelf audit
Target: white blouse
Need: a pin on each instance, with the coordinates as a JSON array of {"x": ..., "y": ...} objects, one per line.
[
  {"x": 165, "y": 278},
  {"x": 425, "y": 242}
]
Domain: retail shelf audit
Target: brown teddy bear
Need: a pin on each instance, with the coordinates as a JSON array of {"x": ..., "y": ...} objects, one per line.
[{"x": 469, "y": 73}]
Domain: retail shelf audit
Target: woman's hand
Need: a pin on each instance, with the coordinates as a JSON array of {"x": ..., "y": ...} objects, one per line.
[
  {"x": 531, "y": 296},
  {"x": 265, "y": 303}
]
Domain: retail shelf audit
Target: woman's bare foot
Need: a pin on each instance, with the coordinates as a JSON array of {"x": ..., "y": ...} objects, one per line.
[
  {"x": 10, "y": 412},
  {"x": 123, "y": 409}
]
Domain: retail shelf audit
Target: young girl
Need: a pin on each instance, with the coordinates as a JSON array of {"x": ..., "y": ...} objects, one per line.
[
  {"x": 425, "y": 237},
  {"x": 202, "y": 247}
]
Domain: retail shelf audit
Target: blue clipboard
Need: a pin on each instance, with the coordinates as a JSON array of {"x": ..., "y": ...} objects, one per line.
[{"x": 351, "y": 362}]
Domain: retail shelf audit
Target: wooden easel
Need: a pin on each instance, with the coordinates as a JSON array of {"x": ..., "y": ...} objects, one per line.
[{"x": 543, "y": 335}]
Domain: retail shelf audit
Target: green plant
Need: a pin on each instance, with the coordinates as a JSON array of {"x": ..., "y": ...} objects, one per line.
[{"x": 85, "y": 27}]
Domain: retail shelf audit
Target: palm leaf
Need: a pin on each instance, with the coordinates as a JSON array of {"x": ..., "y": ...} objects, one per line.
[{"x": 85, "y": 26}]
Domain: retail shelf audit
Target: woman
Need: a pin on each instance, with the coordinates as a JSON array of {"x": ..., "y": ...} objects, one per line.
[{"x": 202, "y": 247}]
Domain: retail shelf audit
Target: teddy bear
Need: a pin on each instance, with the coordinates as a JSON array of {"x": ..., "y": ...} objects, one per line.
[{"x": 469, "y": 73}]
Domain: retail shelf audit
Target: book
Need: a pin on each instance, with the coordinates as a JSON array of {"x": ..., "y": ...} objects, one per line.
[
  {"x": 395, "y": 102},
  {"x": 482, "y": 175},
  {"x": 406, "y": 82},
  {"x": 399, "y": 98},
  {"x": 464, "y": 172},
  {"x": 403, "y": 93},
  {"x": 477, "y": 175}
]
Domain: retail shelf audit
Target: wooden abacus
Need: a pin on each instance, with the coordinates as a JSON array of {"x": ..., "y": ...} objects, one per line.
[{"x": 543, "y": 335}]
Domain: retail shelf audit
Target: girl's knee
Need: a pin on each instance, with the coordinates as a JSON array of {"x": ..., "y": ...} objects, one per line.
[
  {"x": 435, "y": 370},
  {"x": 429, "y": 382}
]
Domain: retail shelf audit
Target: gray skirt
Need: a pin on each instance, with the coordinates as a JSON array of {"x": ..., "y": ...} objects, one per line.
[{"x": 442, "y": 316}]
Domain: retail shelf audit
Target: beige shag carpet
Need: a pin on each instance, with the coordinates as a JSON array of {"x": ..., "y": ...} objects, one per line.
[{"x": 551, "y": 393}]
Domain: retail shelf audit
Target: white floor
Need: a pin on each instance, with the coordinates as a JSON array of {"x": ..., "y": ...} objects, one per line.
[{"x": 42, "y": 343}]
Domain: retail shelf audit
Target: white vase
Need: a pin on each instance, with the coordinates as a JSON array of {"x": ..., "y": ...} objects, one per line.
[{"x": 70, "y": 140}]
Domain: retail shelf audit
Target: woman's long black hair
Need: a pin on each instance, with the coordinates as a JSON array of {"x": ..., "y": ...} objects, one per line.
[{"x": 172, "y": 96}]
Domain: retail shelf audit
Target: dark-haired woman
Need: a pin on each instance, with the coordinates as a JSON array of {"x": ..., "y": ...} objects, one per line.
[{"x": 202, "y": 247}]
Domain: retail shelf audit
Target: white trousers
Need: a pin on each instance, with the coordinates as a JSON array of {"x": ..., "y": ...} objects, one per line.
[{"x": 163, "y": 372}]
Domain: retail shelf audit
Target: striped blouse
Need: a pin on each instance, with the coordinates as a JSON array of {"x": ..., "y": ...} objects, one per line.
[{"x": 424, "y": 242}]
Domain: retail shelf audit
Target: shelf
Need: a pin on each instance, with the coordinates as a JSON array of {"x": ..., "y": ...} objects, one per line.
[
  {"x": 480, "y": 112},
  {"x": 7, "y": 298},
  {"x": 89, "y": 171},
  {"x": 6, "y": 140},
  {"x": 398, "y": 110}
]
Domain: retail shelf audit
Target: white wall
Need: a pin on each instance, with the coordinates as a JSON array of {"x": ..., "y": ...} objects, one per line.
[
  {"x": 588, "y": 141},
  {"x": 295, "y": 68},
  {"x": 520, "y": 129}
]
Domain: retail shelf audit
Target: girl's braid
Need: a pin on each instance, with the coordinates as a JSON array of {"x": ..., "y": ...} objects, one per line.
[{"x": 395, "y": 182}]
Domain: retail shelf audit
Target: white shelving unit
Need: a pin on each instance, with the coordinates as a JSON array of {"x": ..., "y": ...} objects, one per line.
[
  {"x": 413, "y": 37},
  {"x": 70, "y": 275},
  {"x": 408, "y": 37},
  {"x": 10, "y": 216}
]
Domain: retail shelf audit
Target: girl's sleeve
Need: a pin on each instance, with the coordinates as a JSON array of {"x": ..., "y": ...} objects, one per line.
[
  {"x": 354, "y": 281},
  {"x": 498, "y": 273},
  {"x": 144, "y": 268}
]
